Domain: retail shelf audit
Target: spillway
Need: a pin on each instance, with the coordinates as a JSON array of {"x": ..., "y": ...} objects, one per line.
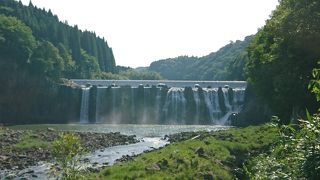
[{"x": 160, "y": 102}]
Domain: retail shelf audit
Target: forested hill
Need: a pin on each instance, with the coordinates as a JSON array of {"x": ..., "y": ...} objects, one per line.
[
  {"x": 225, "y": 64},
  {"x": 88, "y": 53}
]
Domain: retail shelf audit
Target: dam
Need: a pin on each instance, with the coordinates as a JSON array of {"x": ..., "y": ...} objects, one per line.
[{"x": 160, "y": 101}]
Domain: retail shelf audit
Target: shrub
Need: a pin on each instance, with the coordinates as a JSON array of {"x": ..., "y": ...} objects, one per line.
[
  {"x": 67, "y": 150},
  {"x": 295, "y": 155}
]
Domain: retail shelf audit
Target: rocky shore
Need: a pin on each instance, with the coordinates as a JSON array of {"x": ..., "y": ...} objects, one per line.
[{"x": 17, "y": 152}]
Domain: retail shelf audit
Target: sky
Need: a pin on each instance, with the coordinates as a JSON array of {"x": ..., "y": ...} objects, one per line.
[{"x": 143, "y": 31}]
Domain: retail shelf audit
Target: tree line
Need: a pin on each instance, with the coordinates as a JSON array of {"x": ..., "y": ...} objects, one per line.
[
  {"x": 225, "y": 64},
  {"x": 282, "y": 56},
  {"x": 58, "y": 50}
]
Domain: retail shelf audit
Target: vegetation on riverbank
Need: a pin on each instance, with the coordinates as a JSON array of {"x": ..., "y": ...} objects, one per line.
[
  {"x": 206, "y": 155},
  {"x": 282, "y": 56},
  {"x": 20, "y": 149},
  {"x": 31, "y": 140},
  {"x": 296, "y": 154}
]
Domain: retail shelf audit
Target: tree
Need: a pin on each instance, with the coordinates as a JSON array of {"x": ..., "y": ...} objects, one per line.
[
  {"x": 282, "y": 56},
  {"x": 47, "y": 61},
  {"x": 16, "y": 46},
  {"x": 88, "y": 67},
  {"x": 69, "y": 63},
  {"x": 16, "y": 40}
]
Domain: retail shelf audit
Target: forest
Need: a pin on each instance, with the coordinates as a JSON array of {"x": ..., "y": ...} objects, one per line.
[
  {"x": 225, "y": 64},
  {"x": 54, "y": 49}
]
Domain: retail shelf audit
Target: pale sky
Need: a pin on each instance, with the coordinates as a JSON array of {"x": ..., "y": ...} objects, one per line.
[{"x": 142, "y": 31}]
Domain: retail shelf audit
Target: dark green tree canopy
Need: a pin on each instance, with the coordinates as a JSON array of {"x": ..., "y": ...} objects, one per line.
[
  {"x": 16, "y": 40},
  {"x": 283, "y": 55},
  {"x": 46, "y": 27},
  {"x": 47, "y": 61},
  {"x": 225, "y": 64}
]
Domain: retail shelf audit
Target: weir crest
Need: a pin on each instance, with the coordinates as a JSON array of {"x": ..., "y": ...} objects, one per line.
[{"x": 154, "y": 102}]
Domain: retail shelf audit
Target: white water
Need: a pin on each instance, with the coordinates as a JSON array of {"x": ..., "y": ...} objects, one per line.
[
  {"x": 197, "y": 101},
  {"x": 154, "y": 106},
  {"x": 84, "y": 110},
  {"x": 226, "y": 99}
]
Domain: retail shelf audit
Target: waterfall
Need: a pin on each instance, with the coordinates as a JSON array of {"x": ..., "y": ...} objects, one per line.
[
  {"x": 238, "y": 95},
  {"x": 157, "y": 105},
  {"x": 98, "y": 102},
  {"x": 84, "y": 110},
  {"x": 209, "y": 104},
  {"x": 183, "y": 106},
  {"x": 162, "y": 104},
  {"x": 226, "y": 98},
  {"x": 197, "y": 101}
]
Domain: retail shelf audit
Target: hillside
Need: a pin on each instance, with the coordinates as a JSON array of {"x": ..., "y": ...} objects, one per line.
[
  {"x": 86, "y": 48},
  {"x": 36, "y": 52},
  {"x": 225, "y": 64}
]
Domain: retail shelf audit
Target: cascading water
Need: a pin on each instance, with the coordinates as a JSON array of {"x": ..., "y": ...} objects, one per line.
[
  {"x": 161, "y": 105},
  {"x": 84, "y": 110},
  {"x": 209, "y": 104},
  {"x": 226, "y": 98},
  {"x": 197, "y": 102},
  {"x": 175, "y": 106}
]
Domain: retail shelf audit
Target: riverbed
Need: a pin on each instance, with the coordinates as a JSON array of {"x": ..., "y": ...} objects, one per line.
[
  {"x": 150, "y": 137},
  {"x": 140, "y": 131}
]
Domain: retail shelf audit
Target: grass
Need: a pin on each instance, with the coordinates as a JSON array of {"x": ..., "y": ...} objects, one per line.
[
  {"x": 29, "y": 141},
  {"x": 216, "y": 155}
]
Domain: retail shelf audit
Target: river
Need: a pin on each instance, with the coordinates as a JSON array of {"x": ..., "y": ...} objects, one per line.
[{"x": 150, "y": 137}]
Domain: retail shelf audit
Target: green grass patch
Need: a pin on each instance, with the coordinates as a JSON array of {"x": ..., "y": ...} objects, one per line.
[
  {"x": 31, "y": 141},
  {"x": 216, "y": 156}
]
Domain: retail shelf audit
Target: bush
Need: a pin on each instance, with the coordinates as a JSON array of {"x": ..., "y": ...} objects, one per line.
[
  {"x": 67, "y": 150},
  {"x": 295, "y": 155}
]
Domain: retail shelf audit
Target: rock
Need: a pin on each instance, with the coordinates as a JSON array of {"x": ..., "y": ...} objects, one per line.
[
  {"x": 11, "y": 176},
  {"x": 208, "y": 175},
  {"x": 153, "y": 167},
  {"x": 86, "y": 160},
  {"x": 3, "y": 158},
  {"x": 34, "y": 136},
  {"x": 164, "y": 163},
  {"x": 50, "y": 129},
  {"x": 25, "y": 171},
  {"x": 200, "y": 152},
  {"x": 22, "y": 156},
  {"x": 93, "y": 169}
]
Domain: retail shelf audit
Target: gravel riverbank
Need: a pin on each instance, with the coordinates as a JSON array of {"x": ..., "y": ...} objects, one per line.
[{"x": 20, "y": 149}]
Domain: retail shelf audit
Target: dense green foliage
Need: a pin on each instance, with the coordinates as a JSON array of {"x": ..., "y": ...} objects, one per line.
[
  {"x": 17, "y": 44},
  {"x": 127, "y": 73},
  {"x": 28, "y": 67},
  {"x": 296, "y": 154},
  {"x": 81, "y": 48},
  {"x": 216, "y": 155},
  {"x": 282, "y": 56},
  {"x": 314, "y": 84},
  {"x": 225, "y": 64}
]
